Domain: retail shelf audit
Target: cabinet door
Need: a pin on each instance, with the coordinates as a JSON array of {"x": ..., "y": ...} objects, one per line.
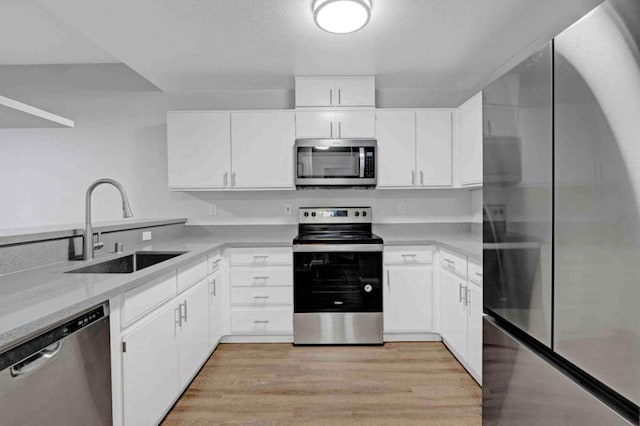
[
  {"x": 194, "y": 330},
  {"x": 262, "y": 149},
  {"x": 215, "y": 308},
  {"x": 408, "y": 299},
  {"x": 471, "y": 141},
  {"x": 314, "y": 92},
  {"x": 314, "y": 124},
  {"x": 396, "y": 134},
  {"x": 355, "y": 92},
  {"x": 199, "y": 149},
  {"x": 433, "y": 148},
  {"x": 150, "y": 377},
  {"x": 453, "y": 314},
  {"x": 474, "y": 328},
  {"x": 354, "y": 124}
]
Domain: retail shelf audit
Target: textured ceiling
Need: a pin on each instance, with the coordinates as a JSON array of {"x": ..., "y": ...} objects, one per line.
[
  {"x": 193, "y": 45},
  {"x": 30, "y": 34}
]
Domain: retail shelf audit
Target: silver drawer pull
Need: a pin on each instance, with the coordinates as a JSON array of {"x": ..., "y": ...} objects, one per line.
[
  {"x": 262, "y": 258},
  {"x": 264, "y": 277},
  {"x": 215, "y": 262},
  {"x": 449, "y": 261},
  {"x": 260, "y": 297},
  {"x": 409, "y": 255},
  {"x": 479, "y": 274},
  {"x": 261, "y": 322}
]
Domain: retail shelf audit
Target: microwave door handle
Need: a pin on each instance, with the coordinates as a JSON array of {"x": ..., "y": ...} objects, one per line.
[{"x": 361, "y": 161}]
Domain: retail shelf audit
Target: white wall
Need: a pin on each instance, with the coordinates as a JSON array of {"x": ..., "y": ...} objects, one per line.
[{"x": 121, "y": 133}]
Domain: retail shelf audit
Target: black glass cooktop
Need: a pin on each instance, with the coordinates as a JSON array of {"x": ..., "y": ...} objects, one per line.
[{"x": 337, "y": 238}]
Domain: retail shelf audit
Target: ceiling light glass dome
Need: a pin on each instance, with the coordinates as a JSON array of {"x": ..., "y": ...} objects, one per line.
[{"x": 341, "y": 16}]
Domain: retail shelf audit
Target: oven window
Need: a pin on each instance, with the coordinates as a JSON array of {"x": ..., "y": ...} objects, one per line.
[
  {"x": 334, "y": 162},
  {"x": 338, "y": 282}
]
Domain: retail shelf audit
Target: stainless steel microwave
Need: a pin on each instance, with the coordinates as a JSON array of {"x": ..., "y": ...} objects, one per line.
[{"x": 335, "y": 162}]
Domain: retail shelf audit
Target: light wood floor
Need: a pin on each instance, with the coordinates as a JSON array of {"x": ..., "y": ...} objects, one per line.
[{"x": 279, "y": 384}]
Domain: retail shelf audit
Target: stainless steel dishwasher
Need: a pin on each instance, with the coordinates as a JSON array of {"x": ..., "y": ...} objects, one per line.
[{"x": 60, "y": 377}]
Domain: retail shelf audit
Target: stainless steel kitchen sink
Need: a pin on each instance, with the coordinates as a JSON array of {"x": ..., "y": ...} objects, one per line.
[{"x": 128, "y": 264}]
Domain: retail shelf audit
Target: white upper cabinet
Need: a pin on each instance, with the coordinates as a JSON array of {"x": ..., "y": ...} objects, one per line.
[
  {"x": 355, "y": 124},
  {"x": 335, "y": 124},
  {"x": 396, "y": 134},
  {"x": 356, "y": 91},
  {"x": 262, "y": 149},
  {"x": 433, "y": 148},
  {"x": 470, "y": 136},
  {"x": 335, "y": 92},
  {"x": 314, "y": 124},
  {"x": 199, "y": 150}
]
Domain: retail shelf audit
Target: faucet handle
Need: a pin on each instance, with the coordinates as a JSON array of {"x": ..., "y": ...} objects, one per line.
[{"x": 98, "y": 244}]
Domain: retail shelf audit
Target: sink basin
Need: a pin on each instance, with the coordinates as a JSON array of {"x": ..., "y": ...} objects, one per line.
[{"x": 128, "y": 264}]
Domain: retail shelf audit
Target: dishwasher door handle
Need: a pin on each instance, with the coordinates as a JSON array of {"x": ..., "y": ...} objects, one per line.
[{"x": 36, "y": 360}]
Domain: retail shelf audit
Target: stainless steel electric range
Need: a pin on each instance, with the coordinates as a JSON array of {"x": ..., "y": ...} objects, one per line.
[{"x": 337, "y": 278}]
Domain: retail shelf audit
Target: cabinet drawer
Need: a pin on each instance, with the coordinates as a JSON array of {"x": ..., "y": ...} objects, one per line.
[
  {"x": 261, "y": 277},
  {"x": 143, "y": 299},
  {"x": 261, "y": 296},
  {"x": 213, "y": 262},
  {"x": 262, "y": 256},
  {"x": 453, "y": 262},
  {"x": 408, "y": 254},
  {"x": 262, "y": 320},
  {"x": 475, "y": 272},
  {"x": 191, "y": 274}
]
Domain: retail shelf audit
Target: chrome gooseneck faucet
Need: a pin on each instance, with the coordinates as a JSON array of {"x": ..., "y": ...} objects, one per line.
[{"x": 89, "y": 245}]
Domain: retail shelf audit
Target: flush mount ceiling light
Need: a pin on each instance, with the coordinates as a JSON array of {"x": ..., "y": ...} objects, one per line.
[{"x": 341, "y": 16}]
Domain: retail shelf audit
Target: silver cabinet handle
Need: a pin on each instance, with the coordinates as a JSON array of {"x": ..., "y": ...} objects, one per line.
[
  {"x": 339, "y": 96},
  {"x": 413, "y": 256},
  {"x": 261, "y": 322},
  {"x": 413, "y": 177},
  {"x": 330, "y": 96},
  {"x": 178, "y": 311},
  {"x": 185, "y": 311},
  {"x": 265, "y": 277},
  {"x": 459, "y": 292},
  {"x": 225, "y": 179},
  {"x": 213, "y": 287},
  {"x": 331, "y": 129},
  {"x": 489, "y": 127},
  {"x": 479, "y": 274},
  {"x": 263, "y": 257},
  {"x": 421, "y": 177},
  {"x": 389, "y": 281},
  {"x": 467, "y": 299},
  {"x": 37, "y": 360},
  {"x": 233, "y": 178},
  {"x": 260, "y": 297},
  {"x": 339, "y": 129},
  {"x": 449, "y": 261}
]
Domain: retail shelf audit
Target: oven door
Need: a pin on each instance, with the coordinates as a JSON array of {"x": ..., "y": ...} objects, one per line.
[
  {"x": 335, "y": 162},
  {"x": 344, "y": 280}
]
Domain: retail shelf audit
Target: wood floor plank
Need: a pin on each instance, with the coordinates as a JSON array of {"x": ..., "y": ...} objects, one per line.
[{"x": 399, "y": 383}]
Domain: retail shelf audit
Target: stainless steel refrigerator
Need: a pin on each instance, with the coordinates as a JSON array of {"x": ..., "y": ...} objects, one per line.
[{"x": 561, "y": 228}]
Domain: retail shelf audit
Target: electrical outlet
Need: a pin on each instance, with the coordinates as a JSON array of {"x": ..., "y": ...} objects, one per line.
[
  {"x": 402, "y": 208},
  {"x": 287, "y": 208},
  {"x": 146, "y": 236},
  {"x": 213, "y": 210}
]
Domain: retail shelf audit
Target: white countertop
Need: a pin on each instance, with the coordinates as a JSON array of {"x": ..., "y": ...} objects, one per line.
[{"x": 39, "y": 298}]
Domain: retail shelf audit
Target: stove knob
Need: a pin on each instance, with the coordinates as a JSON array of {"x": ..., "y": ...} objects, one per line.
[
  {"x": 364, "y": 213},
  {"x": 357, "y": 214},
  {"x": 313, "y": 214},
  {"x": 306, "y": 214},
  {"x": 368, "y": 288}
]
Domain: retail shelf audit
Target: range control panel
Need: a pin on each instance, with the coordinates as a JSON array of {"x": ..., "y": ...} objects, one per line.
[{"x": 334, "y": 215}]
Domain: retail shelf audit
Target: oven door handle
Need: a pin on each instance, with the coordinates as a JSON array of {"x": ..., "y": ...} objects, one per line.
[{"x": 322, "y": 248}]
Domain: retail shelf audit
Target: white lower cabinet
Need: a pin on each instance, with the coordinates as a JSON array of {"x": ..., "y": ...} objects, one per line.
[
  {"x": 151, "y": 378},
  {"x": 453, "y": 315},
  {"x": 215, "y": 307},
  {"x": 408, "y": 299},
  {"x": 461, "y": 314},
  {"x": 194, "y": 330},
  {"x": 408, "y": 289}
]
